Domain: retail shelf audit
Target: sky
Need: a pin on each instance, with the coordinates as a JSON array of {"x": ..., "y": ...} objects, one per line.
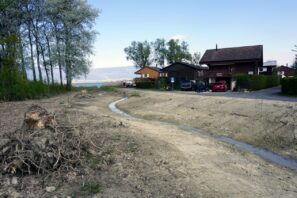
[{"x": 201, "y": 23}]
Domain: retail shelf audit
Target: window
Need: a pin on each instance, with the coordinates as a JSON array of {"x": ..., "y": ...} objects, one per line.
[
  {"x": 146, "y": 75},
  {"x": 263, "y": 69}
]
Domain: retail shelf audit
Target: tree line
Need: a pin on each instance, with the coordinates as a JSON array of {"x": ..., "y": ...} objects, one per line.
[
  {"x": 38, "y": 36},
  {"x": 160, "y": 52}
]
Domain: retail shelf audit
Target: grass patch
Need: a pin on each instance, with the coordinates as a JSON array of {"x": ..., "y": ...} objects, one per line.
[
  {"x": 90, "y": 189},
  {"x": 108, "y": 88},
  {"x": 134, "y": 94}
]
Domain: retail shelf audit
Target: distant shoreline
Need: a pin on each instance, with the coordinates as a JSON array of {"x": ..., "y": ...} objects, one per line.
[{"x": 97, "y": 84}]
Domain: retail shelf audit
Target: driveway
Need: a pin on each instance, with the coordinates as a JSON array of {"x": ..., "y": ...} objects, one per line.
[{"x": 265, "y": 94}]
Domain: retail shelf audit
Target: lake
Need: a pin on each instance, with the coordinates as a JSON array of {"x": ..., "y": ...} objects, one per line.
[{"x": 95, "y": 84}]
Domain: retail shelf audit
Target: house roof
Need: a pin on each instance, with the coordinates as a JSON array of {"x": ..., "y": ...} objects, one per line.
[
  {"x": 153, "y": 68},
  {"x": 282, "y": 68},
  {"x": 270, "y": 63},
  {"x": 185, "y": 64},
  {"x": 233, "y": 54}
]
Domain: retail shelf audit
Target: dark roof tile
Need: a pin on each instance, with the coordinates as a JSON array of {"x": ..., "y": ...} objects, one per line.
[{"x": 233, "y": 54}]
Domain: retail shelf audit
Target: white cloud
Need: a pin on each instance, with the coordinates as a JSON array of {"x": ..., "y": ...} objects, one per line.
[{"x": 178, "y": 37}]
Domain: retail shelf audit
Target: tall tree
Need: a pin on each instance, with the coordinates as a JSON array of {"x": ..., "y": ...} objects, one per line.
[
  {"x": 177, "y": 52},
  {"x": 78, "y": 18},
  {"x": 295, "y": 61},
  {"x": 196, "y": 58},
  {"x": 159, "y": 52},
  {"x": 140, "y": 53}
]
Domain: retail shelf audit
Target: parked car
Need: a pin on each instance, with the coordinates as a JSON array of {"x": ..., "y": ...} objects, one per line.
[
  {"x": 128, "y": 83},
  {"x": 219, "y": 86},
  {"x": 187, "y": 85},
  {"x": 200, "y": 86}
]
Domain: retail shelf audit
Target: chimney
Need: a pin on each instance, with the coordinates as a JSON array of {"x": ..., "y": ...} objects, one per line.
[{"x": 216, "y": 47}]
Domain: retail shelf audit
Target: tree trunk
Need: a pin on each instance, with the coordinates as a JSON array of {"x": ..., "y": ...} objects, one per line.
[
  {"x": 68, "y": 61},
  {"x": 59, "y": 60},
  {"x": 44, "y": 64},
  {"x": 23, "y": 60},
  {"x": 38, "y": 56},
  {"x": 50, "y": 58},
  {"x": 32, "y": 55}
]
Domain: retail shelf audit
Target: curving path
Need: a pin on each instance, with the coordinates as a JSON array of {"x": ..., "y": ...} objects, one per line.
[{"x": 263, "y": 153}]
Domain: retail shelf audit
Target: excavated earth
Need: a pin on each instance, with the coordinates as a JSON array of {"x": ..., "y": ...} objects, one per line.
[{"x": 144, "y": 158}]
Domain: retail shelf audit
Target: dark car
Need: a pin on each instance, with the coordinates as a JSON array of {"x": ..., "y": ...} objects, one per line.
[
  {"x": 187, "y": 85},
  {"x": 219, "y": 86}
]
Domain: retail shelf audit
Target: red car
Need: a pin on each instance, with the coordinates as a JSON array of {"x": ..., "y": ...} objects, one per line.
[{"x": 219, "y": 86}]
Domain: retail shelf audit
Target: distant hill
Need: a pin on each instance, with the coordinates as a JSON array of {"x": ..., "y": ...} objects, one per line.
[{"x": 107, "y": 74}]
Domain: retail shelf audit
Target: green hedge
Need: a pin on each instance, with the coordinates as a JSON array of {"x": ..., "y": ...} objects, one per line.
[
  {"x": 145, "y": 84},
  {"x": 289, "y": 85},
  {"x": 256, "y": 82},
  {"x": 162, "y": 83}
]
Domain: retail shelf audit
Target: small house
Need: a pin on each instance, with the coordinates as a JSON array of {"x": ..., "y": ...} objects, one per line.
[
  {"x": 285, "y": 71},
  {"x": 184, "y": 71},
  {"x": 149, "y": 72},
  {"x": 224, "y": 63},
  {"x": 268, "y": 67}
]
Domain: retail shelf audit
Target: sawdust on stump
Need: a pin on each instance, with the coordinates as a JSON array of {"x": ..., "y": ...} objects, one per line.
[{"x": 42, "y": 145}]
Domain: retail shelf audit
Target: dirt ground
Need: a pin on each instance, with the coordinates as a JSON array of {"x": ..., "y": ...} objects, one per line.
[
  {"x": 133, "y": 158},
  {"x": 264, "y": 123}
]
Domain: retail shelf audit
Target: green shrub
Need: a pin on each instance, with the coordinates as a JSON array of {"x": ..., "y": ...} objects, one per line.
[
  {"x": 162, "y": 83},
  {"x": 15, "y": 87},
  {"x": 145, "y": 84},
  {"x": 289, "y": 85},
  {"x": 243, "y": 81},
  {"x": 256, "y": 82}
]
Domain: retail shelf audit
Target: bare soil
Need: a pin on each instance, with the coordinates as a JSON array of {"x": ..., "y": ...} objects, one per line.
[
  {"x": 134, "y": 158},
  {"x": 264, "y": 123}
]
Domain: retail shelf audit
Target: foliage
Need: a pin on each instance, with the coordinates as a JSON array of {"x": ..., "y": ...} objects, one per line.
[
  {"x": 145, "y": 53},
  {"x": 90, "y": 189},
  {"x": 16, "y": 87},
  {"x": 289, "y": 85},
  {"x": 139, "y": 53},
  {"x": 177, "y": 52},
  {"x": 162, "y": 83},
  {"x": 295, "y": 61},
  {"x": 145, "y": 84},
  {"x": 242, "y": 81},
  {"x": 55, "y": 32},
  {"x": 256, "y": 82},
  {"x": 160, "y": 51},
  {"x": 196, "y": 58}
]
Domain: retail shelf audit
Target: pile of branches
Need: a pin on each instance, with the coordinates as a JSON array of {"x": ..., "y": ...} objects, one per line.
[{"x": 42, "y": 145}]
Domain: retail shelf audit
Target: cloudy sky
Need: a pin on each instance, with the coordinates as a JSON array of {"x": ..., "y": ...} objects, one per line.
[{"x": 202, "y": 23}]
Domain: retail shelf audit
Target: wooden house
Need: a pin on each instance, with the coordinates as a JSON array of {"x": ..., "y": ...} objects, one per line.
[
  {"x": 224, "y": 63},
  {"x": 149, "y": 73},
  {"x": 184, "y": 71},
  {"x": 285, "y": 71}
]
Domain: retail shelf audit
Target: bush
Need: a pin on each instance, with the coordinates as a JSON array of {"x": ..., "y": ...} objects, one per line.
[
  {"x": 145, "y": 83},
  {"x": 162, "y": 83},
  {"x": 15, "y": 87},
  {"x": 289, "y": 85},
  {"x": 256, "y": 82},
  {"x": 243, "y": 81}
]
